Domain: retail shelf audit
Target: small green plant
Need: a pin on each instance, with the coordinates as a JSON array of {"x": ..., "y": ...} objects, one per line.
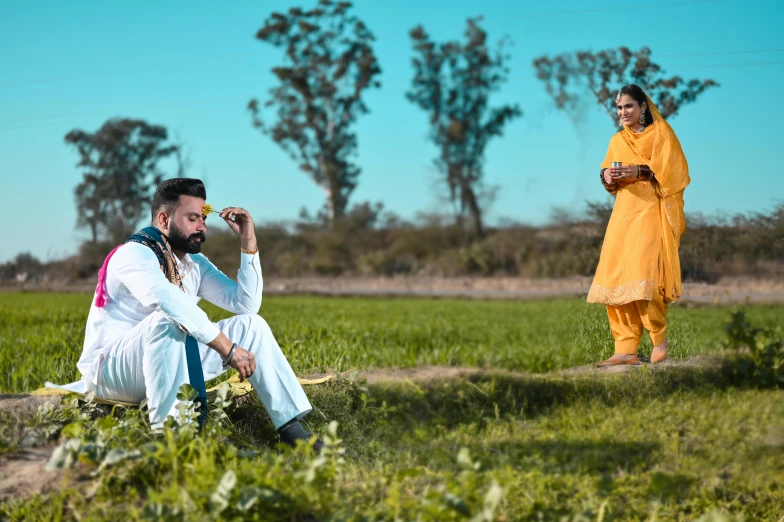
[
  {"x": 759, "y": 351},
  {"x": 128, "y": 436}
]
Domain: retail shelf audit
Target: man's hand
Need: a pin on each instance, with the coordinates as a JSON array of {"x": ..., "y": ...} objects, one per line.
[
  {"x": 241, "y": 223},
  {"x": 244, "y": 362}
]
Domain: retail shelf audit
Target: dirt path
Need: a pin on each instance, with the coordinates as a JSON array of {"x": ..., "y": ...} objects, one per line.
[
  {"x": 24, "y": 473},
  {"x": 435, "y": 373},
  {"x": 725, "y": 291}
]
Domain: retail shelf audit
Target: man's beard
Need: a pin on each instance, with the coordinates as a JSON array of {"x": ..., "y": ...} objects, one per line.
[{"x": 188, "y": 244}]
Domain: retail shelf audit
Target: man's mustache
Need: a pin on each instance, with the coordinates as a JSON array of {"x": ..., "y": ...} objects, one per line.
[{"x": 199, "y": 235}]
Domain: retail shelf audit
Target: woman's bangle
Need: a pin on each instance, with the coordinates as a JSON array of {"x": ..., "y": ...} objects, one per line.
[
  {"x": 644, "y": 172},
  {"x": 609, "y": 187},
  {"x": 231, "y": 354}
]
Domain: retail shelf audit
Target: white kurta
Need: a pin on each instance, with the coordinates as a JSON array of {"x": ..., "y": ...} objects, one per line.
[{"x": 134, "y": 347}]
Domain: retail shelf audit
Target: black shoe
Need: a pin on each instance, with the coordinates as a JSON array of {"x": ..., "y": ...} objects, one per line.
[{"x": 317, "y": 446}]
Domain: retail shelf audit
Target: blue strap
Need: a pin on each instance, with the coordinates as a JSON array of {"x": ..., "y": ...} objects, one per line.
[
  {"x": 152, "y": 238},
  {"x": 196, "y": 374}
]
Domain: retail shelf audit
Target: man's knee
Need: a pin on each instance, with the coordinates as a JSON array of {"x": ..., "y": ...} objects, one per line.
[
  {"x": 254, "y": 324},
  {"x": 257, "y": 333},
  {"x": 161, "y": 329}
]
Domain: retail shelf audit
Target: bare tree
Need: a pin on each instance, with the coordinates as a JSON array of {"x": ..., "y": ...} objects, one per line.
[
  {"x": 92, "y": 210},
  {"x": 120, "y": 164},
  {"x": 329, "y": 64},
  {"x": 572, "y": 77},
  {"x": 452, "y": 83}
]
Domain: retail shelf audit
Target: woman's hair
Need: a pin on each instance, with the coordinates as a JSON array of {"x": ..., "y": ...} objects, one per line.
[{"x": 637, "y": 95}]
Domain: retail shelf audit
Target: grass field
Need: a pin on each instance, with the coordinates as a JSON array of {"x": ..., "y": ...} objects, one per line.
[
  {"x": 530, "y": 444},
  {"x": 41, "y": 334}
]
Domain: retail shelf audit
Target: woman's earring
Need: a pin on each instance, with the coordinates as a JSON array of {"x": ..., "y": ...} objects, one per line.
[
  {"x": 642, "y": 118},
  {"x": 620, "y": 122}
]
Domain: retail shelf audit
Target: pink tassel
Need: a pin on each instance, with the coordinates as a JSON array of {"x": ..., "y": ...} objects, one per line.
[{"x": 100, "y": 290}]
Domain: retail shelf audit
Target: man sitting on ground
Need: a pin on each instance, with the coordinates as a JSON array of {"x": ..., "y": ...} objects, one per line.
[{"x": 146, "y": 336}]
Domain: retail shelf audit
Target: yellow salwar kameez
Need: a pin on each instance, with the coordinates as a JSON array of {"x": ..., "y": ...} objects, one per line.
[{"x": 639, "y": 270}]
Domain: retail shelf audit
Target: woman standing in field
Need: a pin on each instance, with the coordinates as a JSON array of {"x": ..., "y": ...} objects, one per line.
[{"x": 639, "y": 270}]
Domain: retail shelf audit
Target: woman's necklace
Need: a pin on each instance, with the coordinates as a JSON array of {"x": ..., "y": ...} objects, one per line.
[{"x": 642, "y": 128}]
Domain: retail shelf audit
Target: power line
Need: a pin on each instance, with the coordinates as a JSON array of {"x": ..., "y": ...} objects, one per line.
[
  {"x": 223, "y": 57},
  {"x": 741, "y": 64},
  {"x": 52, "y": 120},
  {"x": 205, "y": 106},
  {"x": 156, "y": 67},
  {"x": 619, "y": 8},
  {"x": 721, "y": 53}
]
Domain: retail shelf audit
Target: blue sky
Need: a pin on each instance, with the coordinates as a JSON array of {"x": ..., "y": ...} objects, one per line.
[{"x": 193, "y": 67}]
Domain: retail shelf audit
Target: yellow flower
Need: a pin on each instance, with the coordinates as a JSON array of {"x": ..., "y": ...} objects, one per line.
[{"x": 206, "y": 210}]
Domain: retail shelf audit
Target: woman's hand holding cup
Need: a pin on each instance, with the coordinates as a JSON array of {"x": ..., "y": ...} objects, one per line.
[{"x": 623, "y": 174}]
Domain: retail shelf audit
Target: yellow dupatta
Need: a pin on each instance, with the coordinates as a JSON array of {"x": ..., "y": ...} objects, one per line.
[{"x": 640, "y": 250}]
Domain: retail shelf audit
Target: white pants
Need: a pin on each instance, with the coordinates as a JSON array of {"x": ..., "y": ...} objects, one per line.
[{"x": 149, "y": 362}]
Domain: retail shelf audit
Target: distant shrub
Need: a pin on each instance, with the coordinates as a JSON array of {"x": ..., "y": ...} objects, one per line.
[{"x": 371, "y": 244}]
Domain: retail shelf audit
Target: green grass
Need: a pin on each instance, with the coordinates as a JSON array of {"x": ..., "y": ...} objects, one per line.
[
  {"x": 41, "y": 334},
  {"x": 671, "y": 444}
]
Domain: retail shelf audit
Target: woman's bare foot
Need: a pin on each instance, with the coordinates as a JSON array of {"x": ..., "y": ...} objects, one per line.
[
  {"x": 618, "y": 359},
  {"x": 660, "y": 352}
]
